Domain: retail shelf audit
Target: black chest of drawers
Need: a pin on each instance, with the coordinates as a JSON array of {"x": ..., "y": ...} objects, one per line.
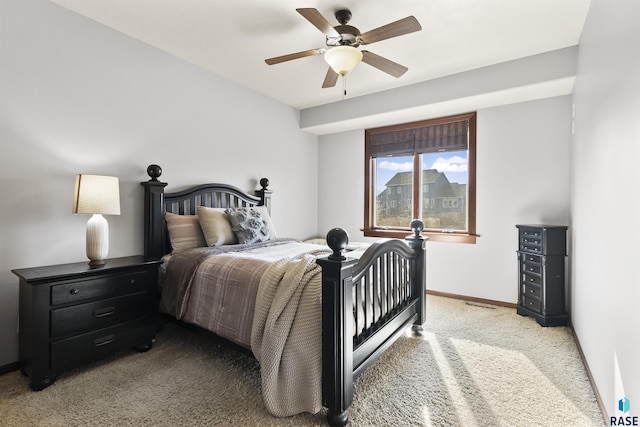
[
  {"x": 75, "y": 313},
  {"x": 542, "y": 250}
]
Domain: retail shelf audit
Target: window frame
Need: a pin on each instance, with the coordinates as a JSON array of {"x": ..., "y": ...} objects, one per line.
[{"x": 370, "y": 230}]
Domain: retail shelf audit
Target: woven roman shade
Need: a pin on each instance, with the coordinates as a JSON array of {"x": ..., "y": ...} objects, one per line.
[{"x": 427, "y": 139}]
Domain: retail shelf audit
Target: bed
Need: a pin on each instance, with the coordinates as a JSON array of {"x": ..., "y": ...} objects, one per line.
[{"x": 366, "y": 296}]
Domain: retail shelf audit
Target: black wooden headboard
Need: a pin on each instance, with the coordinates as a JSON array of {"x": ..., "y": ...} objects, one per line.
[{"x": 157, "y": 203}]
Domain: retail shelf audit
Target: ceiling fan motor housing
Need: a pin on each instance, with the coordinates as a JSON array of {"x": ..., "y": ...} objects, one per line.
[{"x": 349, "y": 36}]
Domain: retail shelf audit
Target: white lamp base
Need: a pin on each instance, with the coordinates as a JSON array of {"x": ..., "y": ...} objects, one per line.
[{"x": 97, "y": 239}]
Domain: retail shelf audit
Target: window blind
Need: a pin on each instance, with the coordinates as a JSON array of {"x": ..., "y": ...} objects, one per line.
[{"x": 426, "y": 139}]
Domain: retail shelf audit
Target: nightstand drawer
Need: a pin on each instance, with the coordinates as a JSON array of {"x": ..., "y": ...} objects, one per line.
[
  {"x": 99, "y": 314},
  {"x": 103, "y": 286},
  {"x": 67, "y": 353}
]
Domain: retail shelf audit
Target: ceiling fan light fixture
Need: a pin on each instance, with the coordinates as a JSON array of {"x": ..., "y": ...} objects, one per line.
[{"x": 343, "y": 59}]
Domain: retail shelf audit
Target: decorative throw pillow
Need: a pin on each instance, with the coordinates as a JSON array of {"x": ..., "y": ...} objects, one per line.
[
  {"x": 184, "y": 231},
  {"x": 264, "y": 213},
  {"x": 215, "y": 226},
  {"x": 251, "y": 225}
]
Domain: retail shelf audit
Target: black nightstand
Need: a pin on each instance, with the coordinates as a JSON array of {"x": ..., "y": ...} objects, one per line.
[{"x": 75, "y": 313}]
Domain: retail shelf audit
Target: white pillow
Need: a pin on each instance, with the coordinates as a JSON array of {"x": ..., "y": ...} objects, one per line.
[{"x": 216, "y": 226}]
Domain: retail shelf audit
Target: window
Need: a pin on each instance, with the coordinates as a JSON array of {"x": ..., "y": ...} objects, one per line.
[{"x": 422, "y": 170}]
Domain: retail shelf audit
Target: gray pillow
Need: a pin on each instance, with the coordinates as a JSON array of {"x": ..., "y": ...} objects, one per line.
[{"x": 250, "y": 224}]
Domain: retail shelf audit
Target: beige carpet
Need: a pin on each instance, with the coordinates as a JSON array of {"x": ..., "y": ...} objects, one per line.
[{"x": 476, "y": 365}]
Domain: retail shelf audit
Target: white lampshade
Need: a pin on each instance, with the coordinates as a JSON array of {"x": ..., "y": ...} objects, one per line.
[
  {"x": 97, "y": 195},
  {"x": 343, "y": 59}
]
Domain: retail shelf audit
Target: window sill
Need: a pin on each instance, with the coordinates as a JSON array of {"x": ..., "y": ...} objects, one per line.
[{"x": 433, "y": 236}]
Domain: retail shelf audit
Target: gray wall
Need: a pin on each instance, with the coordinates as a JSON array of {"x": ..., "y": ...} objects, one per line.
[
  {"x": 78, "y": 97},
  {"x": 605, "y": 205},
  {"x": 522, "y": 178}
]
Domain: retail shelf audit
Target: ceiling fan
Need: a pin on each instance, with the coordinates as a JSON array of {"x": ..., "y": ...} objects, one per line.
[{"x": 342, "y": 53}]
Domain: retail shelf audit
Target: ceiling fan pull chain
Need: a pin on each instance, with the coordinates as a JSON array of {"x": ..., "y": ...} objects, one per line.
[{"x": 344, "y": 86}]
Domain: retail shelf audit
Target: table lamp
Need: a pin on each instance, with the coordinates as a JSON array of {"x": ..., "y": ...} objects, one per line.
[{"x": 97, "y": 195}]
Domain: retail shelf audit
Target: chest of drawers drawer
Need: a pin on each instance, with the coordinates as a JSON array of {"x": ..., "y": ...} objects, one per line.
[
  {"x": 529, "y": 290},
  {"x": 530, "y": 278},
  {"x": 531, "y": 303}
]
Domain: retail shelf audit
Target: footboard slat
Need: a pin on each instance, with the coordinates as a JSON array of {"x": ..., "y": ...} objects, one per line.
[{"x": 384, "y": 298}]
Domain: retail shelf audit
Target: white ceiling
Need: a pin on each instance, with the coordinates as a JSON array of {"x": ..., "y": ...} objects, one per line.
[{"x": 231, "y": 38}]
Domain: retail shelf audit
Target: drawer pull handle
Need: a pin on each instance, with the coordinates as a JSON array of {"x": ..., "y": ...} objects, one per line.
[
  {"x": 74, "y": 291},
  {"x": 98, "y": 342},
  {"x": 132, "y": 281},
  {"x": 104, "y": 312}
]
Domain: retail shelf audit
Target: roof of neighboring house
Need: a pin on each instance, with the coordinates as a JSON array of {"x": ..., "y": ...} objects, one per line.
[{"x": 429, "y": 176}]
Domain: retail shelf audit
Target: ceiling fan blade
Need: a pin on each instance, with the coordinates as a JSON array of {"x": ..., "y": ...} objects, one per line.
[
  {"x": 398, "y": 28},
  {"x": 383, "y": 64},
  {"x": 312, "y": 15},
  {"x": 289, "y": 57},
  {"x": 330, "y": 79}
]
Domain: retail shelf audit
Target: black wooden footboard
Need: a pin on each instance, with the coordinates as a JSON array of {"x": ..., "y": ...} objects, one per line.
[{"x": 366, "y": 305}]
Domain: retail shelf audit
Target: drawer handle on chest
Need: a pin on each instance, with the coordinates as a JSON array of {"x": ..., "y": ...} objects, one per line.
[
  {"x": 132, "y": 281},
  {"x": 104, "y": 312},
  {"x": 104, "y": 340},
  {"x": 74, "y": 291}
]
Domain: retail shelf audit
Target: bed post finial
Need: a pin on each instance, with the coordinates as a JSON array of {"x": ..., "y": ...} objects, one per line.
[
  {"x": 154, "y": 171},
  {"x": 337, "y": 239},
  {"x": 417, "y": 226}
]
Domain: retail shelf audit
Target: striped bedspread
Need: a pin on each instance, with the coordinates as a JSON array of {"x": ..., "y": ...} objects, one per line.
[
  {"x": 215, "y": 288},
  {"x": 265, "y": 297}
]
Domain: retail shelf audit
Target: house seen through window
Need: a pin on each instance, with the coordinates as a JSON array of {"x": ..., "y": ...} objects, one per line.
[{"x": 422, "y": 170}]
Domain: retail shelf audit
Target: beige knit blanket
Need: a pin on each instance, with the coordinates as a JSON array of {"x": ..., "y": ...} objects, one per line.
[{"x": 286, "y": 335}]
